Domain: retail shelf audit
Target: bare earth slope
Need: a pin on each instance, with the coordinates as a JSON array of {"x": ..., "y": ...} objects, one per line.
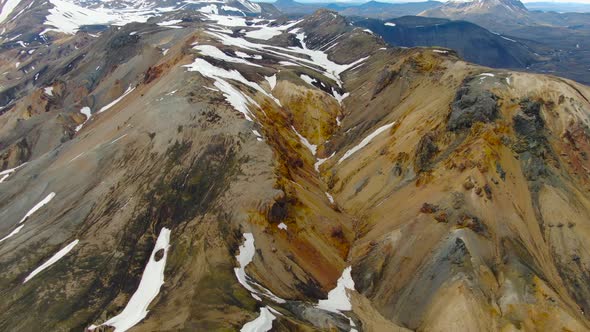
[{"x": 311, "y": 179}]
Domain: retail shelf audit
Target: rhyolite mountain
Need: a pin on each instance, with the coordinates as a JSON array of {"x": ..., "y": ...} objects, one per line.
[{"x": 203, "y": 171}]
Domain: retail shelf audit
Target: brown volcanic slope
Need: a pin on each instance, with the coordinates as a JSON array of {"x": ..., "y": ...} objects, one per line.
[{"x": 459, "y": 193}]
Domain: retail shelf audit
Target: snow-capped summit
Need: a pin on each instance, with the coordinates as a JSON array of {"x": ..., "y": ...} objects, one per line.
[
  {"x": 487, "y": 13},
  {"x": 483, "y": 6}
]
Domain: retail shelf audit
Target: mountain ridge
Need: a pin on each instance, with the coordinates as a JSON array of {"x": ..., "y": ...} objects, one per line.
[{"x": 232, "y": 172}]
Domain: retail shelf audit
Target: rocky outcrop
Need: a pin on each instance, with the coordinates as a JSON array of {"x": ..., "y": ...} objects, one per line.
[
  {"x": 425, "y": 151},
  {"x": 532, "y": 145},
  {"x": 472, "y": 104},
  {"x": 15, "y": 155}
]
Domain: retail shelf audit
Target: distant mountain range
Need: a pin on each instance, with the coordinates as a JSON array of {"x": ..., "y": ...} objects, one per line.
[
  {"x": 374, "y": 9},
  {"x": 506, "y": 15},
  {"x": 385, "y": 10},
  {"x": 501, "y": 33},
  {"x": 561, "y": 7},
  {"x": 561, "y": 38},
  {"x": 469, "y": 40},
  {"x": 488, "y": 13}
]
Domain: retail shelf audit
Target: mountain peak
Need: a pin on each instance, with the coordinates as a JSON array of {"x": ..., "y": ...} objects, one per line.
[
  {"x": 497, "y": 11},
  {"x": 512, "y": 5}
]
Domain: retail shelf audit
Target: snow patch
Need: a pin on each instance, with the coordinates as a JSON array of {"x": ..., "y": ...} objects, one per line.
[
  {"x": 337, "y": 298},
  {"x": 117, "y": 139},
  {"x": 6, "y": 173},
  {"x": 152, "y": 280},
  {"x": 308, "y": 79},
  {"x": 298, "y": 56},
  {"x": 247, "y": 56},
  {"x": 59, "y": 255},
  {"x": 31, "y": 212},
  {"x": 339, "y": 97},
  {"x": 88, "y": 113},
  {"x": 14, "y": 232},
  {"x": 390, "y": 24},
  {"x": 266, "y": 32},
  {"x": 262, "y": 323},
  {"x": 39, "y": 205},
  {"x": 170, "y": 23},
  {"x": 272, "y": 81},
  {"x": 313, "y": 148},
  {"x": 232, "y": 9},
  {"x": 331, "y": 69},
  {"x": 365, "y": 141},
  {"x": 245, "y": 257},
  {"x": 253, "y": 7},
  {"x": 257, "y": 134},
  {"x": 214, "y": 52},
  {"x": 209, "y": 9},
  {"x": 320, "y": 161},
  {"x": 7, "y": 8},
  {"x": 227, "y": 21},
  {"x": 330, "y": 198},
  {"x": 114, "y": 102},
  {"x": 233, "y": 96}
]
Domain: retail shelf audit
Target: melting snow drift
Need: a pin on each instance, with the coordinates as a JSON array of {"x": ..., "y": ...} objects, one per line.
[
  {"x": 312, "y": 147},
  {"x": 7, "y": 8},
  {"x": 14, "y": 232},
  {"x": 337, "y": 298},
  {"x": 365, "y": 141},
  {"x": 59, "y": 255},
  {"x": 37, "y": 207},
  {"x": 262, "y": 323},
  {"x": 245, "y": 257},
  {"x": 6, "y": 173},
  {"x": 88, "y": 113},
  {"x": 152, "y": 280},
  {"x": 114, "y": 102}
]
